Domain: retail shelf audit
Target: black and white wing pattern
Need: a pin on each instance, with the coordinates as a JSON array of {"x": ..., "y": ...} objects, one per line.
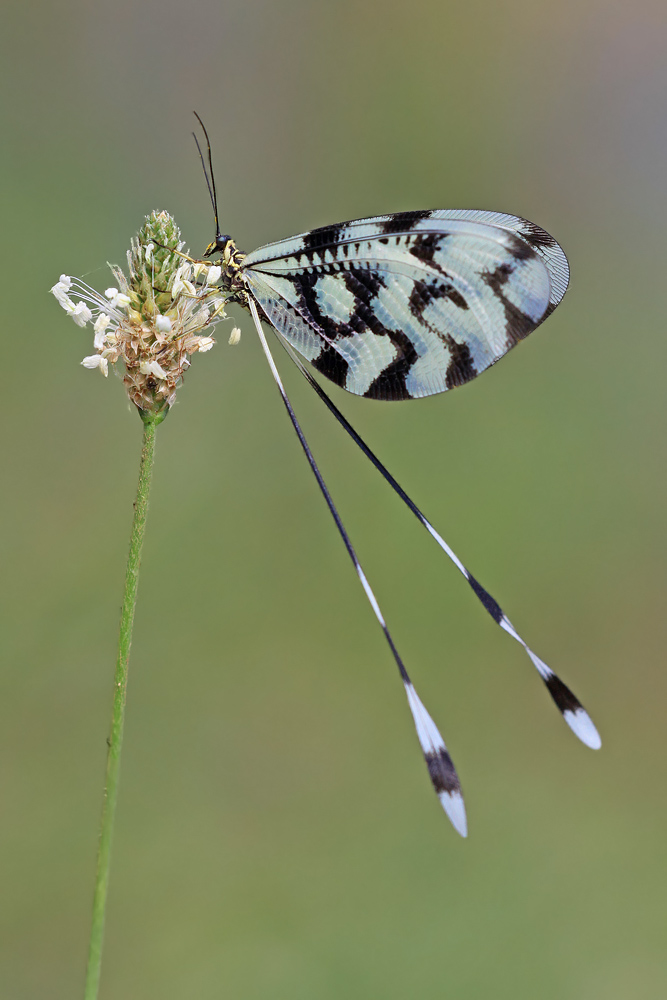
[
  {"x": 398, "y": 307},
  {"x": 407, "y": 305}
]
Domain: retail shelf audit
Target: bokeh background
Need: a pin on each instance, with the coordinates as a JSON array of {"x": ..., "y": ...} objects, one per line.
[{"x": 277, "y": 835}]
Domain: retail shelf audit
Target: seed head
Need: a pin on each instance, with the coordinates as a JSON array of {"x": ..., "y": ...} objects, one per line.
[{"x": 153, "y": 321}]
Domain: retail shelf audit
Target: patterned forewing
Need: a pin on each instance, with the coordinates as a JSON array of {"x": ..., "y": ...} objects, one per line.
[{"x": 408, "y": 305}]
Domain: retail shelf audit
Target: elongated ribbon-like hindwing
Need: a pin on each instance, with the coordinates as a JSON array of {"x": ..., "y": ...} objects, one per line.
[
  {"x": 407, "y": 305},
  {"x": 398, "y": 307}
]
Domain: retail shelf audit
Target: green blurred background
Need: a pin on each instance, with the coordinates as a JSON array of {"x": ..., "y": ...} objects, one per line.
[{"x": 277, "y": 835}]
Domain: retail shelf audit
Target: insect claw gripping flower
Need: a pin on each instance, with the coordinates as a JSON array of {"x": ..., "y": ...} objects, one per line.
[{"x": 155, "y": 319}]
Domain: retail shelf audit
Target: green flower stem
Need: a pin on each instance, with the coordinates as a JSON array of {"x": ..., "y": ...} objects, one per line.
[{"x": 115, "y": 740}]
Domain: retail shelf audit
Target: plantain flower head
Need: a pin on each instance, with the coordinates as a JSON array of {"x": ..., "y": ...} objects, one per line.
[{"x": 153, "y": 321}]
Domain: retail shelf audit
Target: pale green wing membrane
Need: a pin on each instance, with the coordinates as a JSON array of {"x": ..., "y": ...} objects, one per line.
[{"x": 408, "y": 305}]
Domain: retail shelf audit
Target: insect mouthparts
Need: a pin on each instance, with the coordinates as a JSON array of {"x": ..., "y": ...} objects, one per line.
[{"x": 218, "y": 246}]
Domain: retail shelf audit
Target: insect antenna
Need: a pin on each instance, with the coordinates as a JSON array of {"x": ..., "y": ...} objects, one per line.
[
  {"x": 568, "y": 704},
  {"x": 210, "y": 184},
  {"x": 440, "y": 765}
]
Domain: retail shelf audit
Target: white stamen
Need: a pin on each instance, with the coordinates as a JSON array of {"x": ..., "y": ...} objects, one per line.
[
  {"x": 63, "y": 300},
  {"x": 152, "y": 368},
  {"x": 162, "y": 324},
  {"x": 96, "y": 361},
  {"x": 81, "y": 314},
  {"x": 234, "y": 336},
  {"x": 117, "y": 300},
  {"x": 60, "y": 290},
  {"x": 185, "y": 271},
  {"x": 101, "y": 324},
  {"x": 154, "y": 347},
  {"x": 181, "y": 285},
  {"x": 213, "y": 274}
]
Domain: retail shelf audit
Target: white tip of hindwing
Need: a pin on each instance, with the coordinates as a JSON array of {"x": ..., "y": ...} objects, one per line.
[
  {"x": 456, "y": 811},
  {"x": 582, "y": 726},
  {"x": 440, "y": 766},
  {"x": 571, "y": 708}
]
